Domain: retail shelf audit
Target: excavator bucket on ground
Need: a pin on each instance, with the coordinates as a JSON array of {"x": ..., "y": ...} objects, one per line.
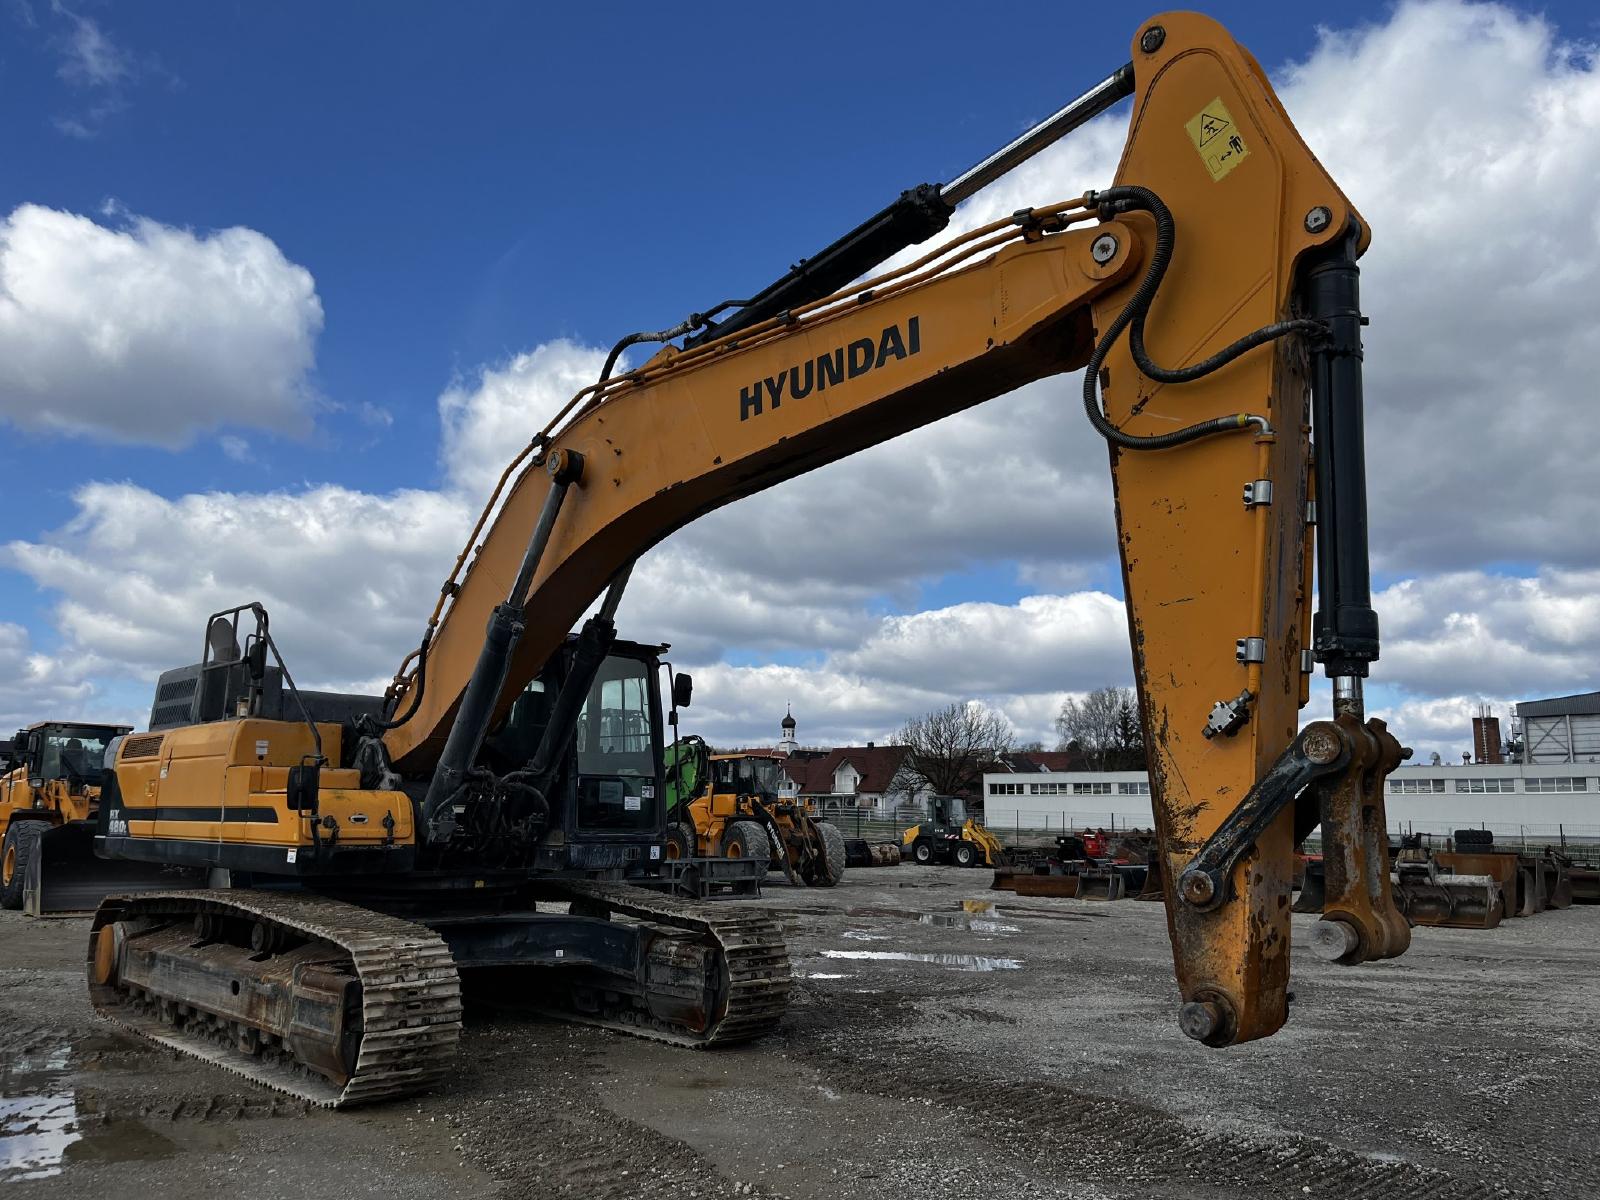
[
  {"x": 1556, "y": 873},
  {"x": 1429, "y": 896},
  {"x": 1071, "y": 887},
  {"x": 66, "y": 878},
  {"x": 1585, "y": 883},
  {"x": 1454, "y": 901}
]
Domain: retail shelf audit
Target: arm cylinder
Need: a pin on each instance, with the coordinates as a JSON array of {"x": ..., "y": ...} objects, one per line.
[{"x": 1345, "y": 629}]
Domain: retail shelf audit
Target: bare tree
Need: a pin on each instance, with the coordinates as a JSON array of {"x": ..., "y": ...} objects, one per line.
[
  {"x": 1104, "y": 727},
  {"x": 949, "y": 749}
]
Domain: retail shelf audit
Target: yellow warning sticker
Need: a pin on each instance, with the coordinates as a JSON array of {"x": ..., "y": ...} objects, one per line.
[{"x": 1217, "y": 138}]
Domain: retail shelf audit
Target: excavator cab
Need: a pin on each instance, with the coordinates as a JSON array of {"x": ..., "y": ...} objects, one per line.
[{"x": 610, "y": 790}]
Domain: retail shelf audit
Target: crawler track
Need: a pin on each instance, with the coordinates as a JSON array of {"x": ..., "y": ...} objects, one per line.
[
  {"x": 410, "y": 994},
  {"x": 756, "y": 987}
]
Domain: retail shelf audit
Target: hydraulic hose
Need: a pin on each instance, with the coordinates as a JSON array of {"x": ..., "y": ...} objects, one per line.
[
  {"x": 378, "y": 725},
  {"x": 1130, "y": 198}
]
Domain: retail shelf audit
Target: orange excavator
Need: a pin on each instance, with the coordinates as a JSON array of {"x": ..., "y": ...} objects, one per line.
[{"x": 497, "y": 806}]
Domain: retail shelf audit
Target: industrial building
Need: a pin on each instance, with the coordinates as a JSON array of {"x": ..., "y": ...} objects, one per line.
[
  {"x": 1565, "y": 729},
  {"x": 1509, "y": 798}
]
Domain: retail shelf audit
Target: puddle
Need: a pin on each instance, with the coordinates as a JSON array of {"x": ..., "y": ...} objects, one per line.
[
  {"x": 861, "y": 935},
  {"x": 961, "y": 962},
  {"x": 978, "y": 908},
  {"x": 875, "y": 911},
  {"x": 45, "y": 1125},
  {"x": 38, "y": 1116},
  {"x": 962, "y": 921},
  {"x": 993, "y": 927},
  {"x": 826, "y": 975}
]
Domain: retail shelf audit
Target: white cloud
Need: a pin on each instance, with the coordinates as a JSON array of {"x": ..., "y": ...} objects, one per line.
[
  {"x": 348, "y": 577},
  {"x": 148, "y": 333},
  {"x": 1469, "y": 136},
  {"x": 1442, "y": 725},
  {"x": 98, "y": 70},
  {"x": 37, "y": 686},
  {"x": 89, "y": 58},
  {"x": 487, "y": 419},
  {"x": 1471, "y": 631}
]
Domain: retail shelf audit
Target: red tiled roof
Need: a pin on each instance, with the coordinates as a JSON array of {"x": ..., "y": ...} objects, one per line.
[{"x": 876, "y": 766}]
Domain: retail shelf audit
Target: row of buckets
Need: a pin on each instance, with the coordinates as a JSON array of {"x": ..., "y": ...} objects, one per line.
[{"x": 1470, "y": 883}]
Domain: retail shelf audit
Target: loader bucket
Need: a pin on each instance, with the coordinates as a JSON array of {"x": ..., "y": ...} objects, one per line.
[
  {"x": 1064, "y": 886},
  {"x": 66, "y": 877},
  {"x": 1313, "y": 890},
  {"x": 1453, "y": 901},
  {"x": 1100, "y": 887},
  {"x": 1557, "y": 881},
  {"x": 1151, "y": 888},
  {"x": 1585, "y": 884},
  {"x": 1516, "y": 883},
  {"x": 1531, "y": 886}
]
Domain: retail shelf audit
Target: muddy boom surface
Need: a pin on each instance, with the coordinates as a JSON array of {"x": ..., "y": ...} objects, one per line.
[{"x": 326, "y": 1001}]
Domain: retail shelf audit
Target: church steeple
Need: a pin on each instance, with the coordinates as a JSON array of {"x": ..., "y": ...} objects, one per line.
[{"x": 787, "y": 744}]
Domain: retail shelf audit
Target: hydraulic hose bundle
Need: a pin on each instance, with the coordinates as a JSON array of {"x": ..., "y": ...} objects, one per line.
[{"x": 1130, "y": 198}]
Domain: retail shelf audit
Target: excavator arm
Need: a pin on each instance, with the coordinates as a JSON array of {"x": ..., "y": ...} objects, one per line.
[{"x": 1211, "y": 294}]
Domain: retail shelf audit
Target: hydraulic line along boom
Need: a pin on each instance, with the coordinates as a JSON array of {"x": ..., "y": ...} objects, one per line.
[{"x": 917, "y": 215}]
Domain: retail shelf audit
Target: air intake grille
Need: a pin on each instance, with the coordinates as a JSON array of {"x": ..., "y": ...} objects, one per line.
[
  {"x": 177, "y": 689},
  {"x": 172, "y": 714},
  {"x": 146, "y": 745}
]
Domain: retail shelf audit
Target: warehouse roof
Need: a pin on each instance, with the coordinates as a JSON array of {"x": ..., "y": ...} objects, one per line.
[{"x": 1582, "y": 704}]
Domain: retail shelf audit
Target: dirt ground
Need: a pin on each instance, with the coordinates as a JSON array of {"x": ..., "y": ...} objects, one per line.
[{"x": 1032, "y": 1051}]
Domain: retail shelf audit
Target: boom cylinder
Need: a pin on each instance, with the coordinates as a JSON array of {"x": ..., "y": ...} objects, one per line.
[
  {"x": 494, "y": 659},
  {"x": 917, "y": 215}
]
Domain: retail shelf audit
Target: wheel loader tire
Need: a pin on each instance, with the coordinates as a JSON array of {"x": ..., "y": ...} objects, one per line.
[
  {"x": 834, "y": 851},
  {"x": 18, "y": 850},
  {"x": 965, "y": 856},
  {"x": 680, "y": 842},
  {"x": 923, "y": 853},
  {"x": 1474, "y": 839},
  {"x": 746, "y": 839}
]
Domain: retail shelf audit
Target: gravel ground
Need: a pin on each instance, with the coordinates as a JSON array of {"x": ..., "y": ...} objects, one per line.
[{"x": 1028, "y": 1051}]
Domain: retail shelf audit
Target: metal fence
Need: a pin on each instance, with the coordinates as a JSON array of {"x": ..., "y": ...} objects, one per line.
[
  {"x": 1024, "y": 827},
  {"x": 1016, "y": 825}
]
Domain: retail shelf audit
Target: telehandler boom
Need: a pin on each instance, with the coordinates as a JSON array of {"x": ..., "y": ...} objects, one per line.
[{"x": 1210, "y": 297}]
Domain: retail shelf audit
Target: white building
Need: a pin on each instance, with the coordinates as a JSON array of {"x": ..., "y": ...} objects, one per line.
[{"x": 1543, "y": 799}]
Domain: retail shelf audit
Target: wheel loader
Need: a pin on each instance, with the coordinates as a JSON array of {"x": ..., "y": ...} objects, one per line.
[
  {"x": 950, "y": 836},
  {"x": 729, "y": 805},
  {"x": 49, "y": 797},
  {"x": 493, "y": 809}
]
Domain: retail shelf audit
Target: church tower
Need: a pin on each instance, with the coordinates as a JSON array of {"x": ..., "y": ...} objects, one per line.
[{"x": 787, "y": 744}]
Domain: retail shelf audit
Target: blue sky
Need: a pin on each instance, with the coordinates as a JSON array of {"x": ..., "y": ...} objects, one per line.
[{"x": 466, "y": 182}]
